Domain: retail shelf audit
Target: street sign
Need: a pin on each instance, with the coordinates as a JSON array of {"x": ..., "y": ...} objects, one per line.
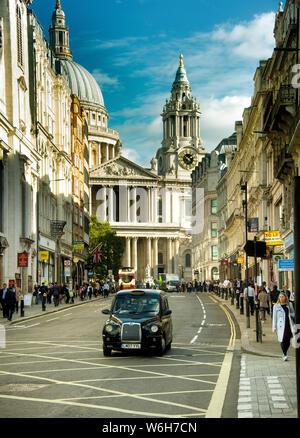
[
  {"x": 253, "y": 224},
  {"x": 67, "y": 262},
  {"x": 57, "y": 228},
  {"x": 286, "y": 265},
  {"x": 23, "y": 260},
  {"x": 260, "y": 248},
  {"x": 273, "y": 238}
]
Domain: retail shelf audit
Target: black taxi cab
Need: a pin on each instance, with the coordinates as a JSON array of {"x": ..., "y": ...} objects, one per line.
[{"x": 139, "y": 319}]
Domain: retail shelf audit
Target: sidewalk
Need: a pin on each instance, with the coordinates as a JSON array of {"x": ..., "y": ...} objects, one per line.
[
  {"x": 267, "y": 386},
  {"x": 269, "y": 345},
  {"x": 35, "y": 310}
]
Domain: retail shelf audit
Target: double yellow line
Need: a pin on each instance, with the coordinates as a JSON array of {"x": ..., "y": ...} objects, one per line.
[{"x": 232, "y": 339}]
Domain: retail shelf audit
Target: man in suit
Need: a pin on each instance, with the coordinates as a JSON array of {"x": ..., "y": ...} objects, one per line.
[
  {"x": 10, "y": 301},
  {"x": 2, "y": 299}
]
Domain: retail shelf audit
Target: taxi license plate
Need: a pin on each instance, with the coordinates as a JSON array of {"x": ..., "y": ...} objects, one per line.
[{"x": 131, "y": 346}]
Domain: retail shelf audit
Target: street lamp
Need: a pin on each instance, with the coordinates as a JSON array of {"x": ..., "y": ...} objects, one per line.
[
  {"x": 244, "y": 188},
  {"x": 3, "y": 245}
]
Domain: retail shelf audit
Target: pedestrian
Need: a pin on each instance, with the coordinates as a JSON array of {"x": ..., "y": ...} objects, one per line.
[
  {"x": 3, "y": 292},
  {"x": 61, "y": 293},
  {"x": 65, "y": 293},
  {"x": 292, "y": 300},
  {"x": 10, "y": 301},
  {"x": 50, "y": 293},
  {"x": 273, "y": 297},
  {"x": 282, "y": 323},
  {"x": 249, "y": 294},
  {"x": 71, "y": 294},
  {"x": 18, "y": 298},
  {"x": 36, "y": 293},
  {"x": 44, "y": 291},
  {"x": 56, "y": 291},
  {"x": 266, "y": 287},
  {"x": 264, "y": 300},
  {"x": 105, "y": 289},
  {"x": 90, "y": 290},
  {"x": 286, "y": 291}
]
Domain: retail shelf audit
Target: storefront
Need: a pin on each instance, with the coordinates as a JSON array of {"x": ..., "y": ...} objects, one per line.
[{"x": 46, "y": 260}]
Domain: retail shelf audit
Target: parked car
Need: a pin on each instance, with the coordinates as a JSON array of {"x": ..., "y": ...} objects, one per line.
[{"x": 140, "y": 320}]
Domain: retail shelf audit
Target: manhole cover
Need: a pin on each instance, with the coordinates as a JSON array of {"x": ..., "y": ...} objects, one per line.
[{"x": 21, "y": 387}]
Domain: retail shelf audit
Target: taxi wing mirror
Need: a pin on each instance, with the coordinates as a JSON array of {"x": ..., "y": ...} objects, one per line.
[{"x": 106, "y": 311}]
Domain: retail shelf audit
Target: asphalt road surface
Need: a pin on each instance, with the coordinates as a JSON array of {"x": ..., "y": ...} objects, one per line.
[{"x": 53, "y": 367}]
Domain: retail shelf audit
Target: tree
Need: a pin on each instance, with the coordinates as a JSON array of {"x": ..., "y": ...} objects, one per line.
[{"x": 112, "y": 247}]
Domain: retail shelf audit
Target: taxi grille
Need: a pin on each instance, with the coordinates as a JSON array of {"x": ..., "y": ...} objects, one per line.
[{"x": 131, "y": 332}]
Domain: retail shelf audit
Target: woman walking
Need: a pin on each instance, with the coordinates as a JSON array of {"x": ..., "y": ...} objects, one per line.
[{"x": 283, "y": 313}]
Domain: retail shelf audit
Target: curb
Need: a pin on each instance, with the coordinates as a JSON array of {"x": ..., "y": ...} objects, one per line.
[{"x": 245, "y": 347}]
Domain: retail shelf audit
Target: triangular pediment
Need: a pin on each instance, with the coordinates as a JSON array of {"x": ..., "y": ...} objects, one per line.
[{"x": 121, "y": 167}]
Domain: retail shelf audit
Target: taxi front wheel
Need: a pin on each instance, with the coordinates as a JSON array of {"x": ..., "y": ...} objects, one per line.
[
  {"x": 162, "y": 347},
  {"x": 106, "y": 351}
]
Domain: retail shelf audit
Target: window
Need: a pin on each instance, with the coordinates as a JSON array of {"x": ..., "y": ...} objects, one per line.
[
  {"x": 188, "y": 207},
  {"x": 160, "y": 210},
  {"x": 19, "y": 37},
  {"x": 76, "y": 215},
  {"x": 213, "y": 206},
  {"x": 81, "y": 219},
  {"x": 214, "y": 252},
  {"x": 188, "y": 260},
  {"x": 214, "y": 229},
  {"x": 215, "y": 274}
]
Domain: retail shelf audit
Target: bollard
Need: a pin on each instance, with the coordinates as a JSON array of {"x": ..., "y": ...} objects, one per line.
[
  {"x": 242, "y": 305},
  {"x": 22, "y": 308}
]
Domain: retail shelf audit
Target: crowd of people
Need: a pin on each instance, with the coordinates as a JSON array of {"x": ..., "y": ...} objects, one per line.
[{"x": 12, "y": 298}]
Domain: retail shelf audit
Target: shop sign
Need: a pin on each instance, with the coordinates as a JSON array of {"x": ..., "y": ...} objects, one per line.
[
  {"x": 273, "y": 238},
  {"x": 253, "y": 225},
  {"x": 78, "y": 246},
  {"x": 23, "y": 260},
  {"x": 67, "y": 262},
  {"x": 67, "y": 271},
  {"x": 44, "y": 255},
  {"x": 240, "y": 260},
  {"x": 224, "y": 262}
]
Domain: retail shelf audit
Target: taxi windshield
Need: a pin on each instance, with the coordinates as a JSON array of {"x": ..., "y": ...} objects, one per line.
[{"x": 139, "y": 304}]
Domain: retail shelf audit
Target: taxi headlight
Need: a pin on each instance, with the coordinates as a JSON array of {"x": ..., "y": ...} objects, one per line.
[
  {"x": 154, "y": 329},
  {"x": 109, "y": 328}
]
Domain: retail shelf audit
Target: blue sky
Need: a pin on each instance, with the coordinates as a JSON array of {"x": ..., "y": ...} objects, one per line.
[{"x": 132, "y": 48}]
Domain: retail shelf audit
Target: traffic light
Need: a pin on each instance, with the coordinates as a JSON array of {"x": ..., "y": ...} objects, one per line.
[{"x": 261, "y": 248}]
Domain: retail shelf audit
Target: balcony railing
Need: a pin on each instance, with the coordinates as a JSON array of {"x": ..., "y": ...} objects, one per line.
[{"x": 286, "y": 96}]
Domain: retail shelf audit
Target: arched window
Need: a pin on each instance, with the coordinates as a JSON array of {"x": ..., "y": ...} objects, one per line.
[
  {"x": 215, "y": 274},
  {"x": 188, "y": 260},
  {"x": 19, "y": 37}
]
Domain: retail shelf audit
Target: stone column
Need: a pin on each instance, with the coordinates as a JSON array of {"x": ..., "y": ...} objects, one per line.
[
  {"x": 169, "y": 255},
  {"x": 134, "y": 253},
  {"x": 128, "y": 251},
  {"x": 134, "y": 204},
  {"x": 110, "y": 204},
  {"x": 176, "y": 256},
  {"x": 148, "y": 254},
  {"x": 155, "y": 258},
  {"x": 149, "y": 193},
  {"x": 107, "y": 152},
  {"x": 99, "y": 153},
  {"x": 154, "y": 204}
]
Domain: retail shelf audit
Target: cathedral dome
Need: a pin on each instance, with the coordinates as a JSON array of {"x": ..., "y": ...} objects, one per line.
[{"x": 82, "y": 83}]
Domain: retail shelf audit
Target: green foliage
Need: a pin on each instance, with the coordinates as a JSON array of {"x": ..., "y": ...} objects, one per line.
[{"x": 112, "y": 248}]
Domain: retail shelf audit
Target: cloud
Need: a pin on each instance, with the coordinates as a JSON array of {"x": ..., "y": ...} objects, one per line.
[
  {"x": 253, "y": 39},
  {"x": 103, "y": 79}
]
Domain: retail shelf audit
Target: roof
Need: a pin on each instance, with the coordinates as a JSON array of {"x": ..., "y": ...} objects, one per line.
[
  {"x": 153, "y": 291},
  {"x": 82, "y": 83}
]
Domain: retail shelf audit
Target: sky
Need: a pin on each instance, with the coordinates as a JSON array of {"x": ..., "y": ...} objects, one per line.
[{"x": 132, "y": 48}]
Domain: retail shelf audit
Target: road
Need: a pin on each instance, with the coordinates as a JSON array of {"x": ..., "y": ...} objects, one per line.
[{"x": 53, "y": 367}]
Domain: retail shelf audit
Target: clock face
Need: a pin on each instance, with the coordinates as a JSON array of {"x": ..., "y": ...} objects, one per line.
[{"x": 187, "y": 159}]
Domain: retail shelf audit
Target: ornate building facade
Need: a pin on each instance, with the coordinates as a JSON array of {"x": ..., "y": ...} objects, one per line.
[{"x": 151, "y": 208}]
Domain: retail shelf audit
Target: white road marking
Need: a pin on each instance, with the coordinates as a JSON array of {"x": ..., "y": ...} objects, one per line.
[{"x": 48, "y": 320}]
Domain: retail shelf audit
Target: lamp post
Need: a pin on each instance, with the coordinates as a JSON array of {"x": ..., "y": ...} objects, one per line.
[
  {"x": 244, "y": 188},
  {"x": 3, "y": 246}
]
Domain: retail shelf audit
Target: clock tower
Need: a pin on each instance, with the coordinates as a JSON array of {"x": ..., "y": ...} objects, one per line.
[{"x": 181, "y": 147}]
